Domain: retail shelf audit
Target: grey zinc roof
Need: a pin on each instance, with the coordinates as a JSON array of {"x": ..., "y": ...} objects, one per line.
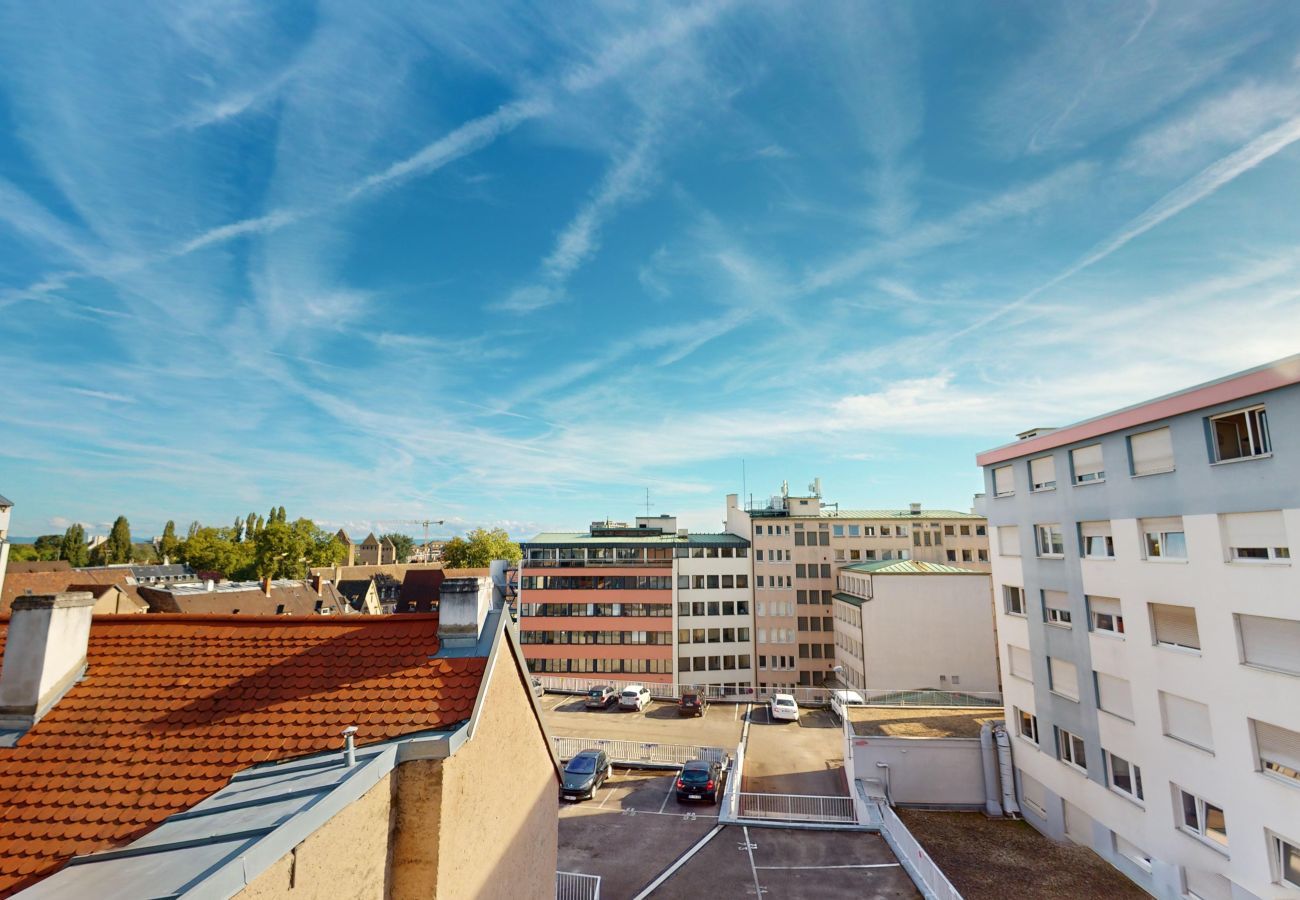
[
  {"x": 581, "y": 538},
  {"x": 907, "y": 567},
  {"x": 4, "y": 504},
  {"x": 891, "y": 514},
  {"x": 220, "y": 845}
]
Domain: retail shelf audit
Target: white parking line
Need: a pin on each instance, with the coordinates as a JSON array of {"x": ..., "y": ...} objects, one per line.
[
  {"x": 749, "y": 848},
  {"x": 672, "y": 785},
  {"x": 561, "y": 703},
  {"x": 862, "y": 866}
]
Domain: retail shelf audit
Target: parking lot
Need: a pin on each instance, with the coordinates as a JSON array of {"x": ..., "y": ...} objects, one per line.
[
  {"x": 804, "y": 757},
  {"x": 659, "y": 722}
]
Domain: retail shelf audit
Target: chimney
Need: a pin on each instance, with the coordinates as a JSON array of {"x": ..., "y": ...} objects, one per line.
[
  {"x": 209, "y": 585},
  {"x": 45, "y": 654},
  {"x": 316, "y": 584},
  {"x": 266, "y": 585},
  {"x": 916, "y": 509},
  {"x": 463, "y": 605}
]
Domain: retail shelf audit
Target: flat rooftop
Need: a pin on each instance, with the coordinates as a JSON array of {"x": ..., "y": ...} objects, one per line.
[{"x": 921, "y": 722}]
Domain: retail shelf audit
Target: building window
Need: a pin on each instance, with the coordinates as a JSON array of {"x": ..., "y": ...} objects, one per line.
[
  {"x": 1004, "y": 481},
  {"x": 1019, "y": 661},
  {"x": 1070, "y": 750},
  {"x": 1014, "y": 600},
  {"x": 1174, "y": 626},
  {"x": 1186, "y": 721},
  {"x": 837, "y": 530},
  {"x": 1164, "y": 538},
  {"x": 1202, "y": 819},
  {"x": 1106, "y": 617},
  {"x": 1042, "y": 474},
  {"x": 1255, "y": 537},
  {"x": 1028, "y": 725},
  {"x": 1114, "y": 695},
  {"x": 1125, "y": 777},
  {"x": 1096, "y": 541},
  {"x": 1050, "y": 542},
  {"x": 952, "y": 556},
  {"x": 855, "y": 531},
  {"x": 1269, "y": 643},
  {"x": 1286, "y": 861},
  {"x": 1064, "y": 678},
  {"x": 1008, "y": 540},
  {"x": 1240, "y": 435},
  {"x": 1087, "y": 465},
  {"x": 1056, "y": 609},
  {"x": 1133, "y": 852},
  {"x": 1279, "y": 752},
  {"x": 1151, "y": 452},
  {"x": 967, "y": 556}
]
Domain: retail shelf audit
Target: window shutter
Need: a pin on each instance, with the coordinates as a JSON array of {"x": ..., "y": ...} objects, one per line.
[
  {"x": 1187, "y": 720},
  {"x": 1257, "y": 529},
  {"x": 1175, "y": 625},
  {"x": 1105, "y": 605},
  {"x": 1033, "y": 793},
  {"x": 1087, "y": 463},
  {"x": 1271, "y": 643},
  {"x": 1078, "y": 826},
  {"x": 1114, "y": 695},
  {"x": 1042, "y": 472},
  {"x": 1278, "y": 745},
  {"x": 1021, "y": 662},
  {"x": 1056, "y": 600},
  {"x": 1153, "y": 451},
  {"x": 1099, "y": 528},
  {"x": 1208, "y": 885},
  {"x": 1162, "y": 524},
  {"x": 1065, "y": 678},
  {"x": 1008, "y": 540},
  {"x": 1004, "y": 481}
]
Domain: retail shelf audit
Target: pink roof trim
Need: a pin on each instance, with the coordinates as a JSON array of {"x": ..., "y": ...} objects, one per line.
[{"x": 1269, "y": 377}]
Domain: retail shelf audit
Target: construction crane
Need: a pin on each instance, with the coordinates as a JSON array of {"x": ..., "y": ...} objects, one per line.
[{"x": 425, "y": 522}]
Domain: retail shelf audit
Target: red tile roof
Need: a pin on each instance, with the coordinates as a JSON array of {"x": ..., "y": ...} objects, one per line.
[
  {"x": 172, "y": 706},
  {"x": 19, "y": 584}
]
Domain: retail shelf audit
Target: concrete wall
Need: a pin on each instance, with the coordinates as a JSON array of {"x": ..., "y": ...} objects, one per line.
[
  {"x": 918, "y": 628},
  {"x": 945, "y": 772},
  {"x": 346, "y": 857}
]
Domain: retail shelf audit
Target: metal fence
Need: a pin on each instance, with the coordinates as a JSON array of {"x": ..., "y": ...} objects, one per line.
[
  {"x": 576, "y": 886},
  {"x": 636, "y": 753},
  {"x": 563, "y": 684},
  {"x": 923, "y": 870},
  {"x": 797, "y": 808}
]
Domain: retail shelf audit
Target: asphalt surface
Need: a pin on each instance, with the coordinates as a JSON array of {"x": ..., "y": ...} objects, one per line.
[
  {"x": 658, "y": 723},
  {"x": 804, "y": 757}
]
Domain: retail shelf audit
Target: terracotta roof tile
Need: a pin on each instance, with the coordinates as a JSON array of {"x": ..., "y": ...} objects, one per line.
[{"x": 172, "y": 706}]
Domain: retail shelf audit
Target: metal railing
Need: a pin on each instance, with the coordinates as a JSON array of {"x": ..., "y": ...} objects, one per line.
[
  {"x": 637, "y": 753},
  {"x": 561, "y": 684},
  {"x": 927, "y": 875},
  {"x": 804, "y": 696},
  {"x": 797, "y": 808},
  {"x": 576, "y": 886}
]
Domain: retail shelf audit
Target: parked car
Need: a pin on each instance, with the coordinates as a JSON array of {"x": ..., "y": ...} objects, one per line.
[
  {"x": 702, "y": 780},
  {"x": 693, "y": 703},
  {"x": 784, "y": 709},
  {"x": 602, "y": 697},
  {"x": 584, "y": 774},
  {"x": 634, "y": 696},
  {"x": 538, "y": 690}
]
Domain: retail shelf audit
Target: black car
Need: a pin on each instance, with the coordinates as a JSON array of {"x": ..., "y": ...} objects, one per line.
[
  {"x": 584, "y": 774},
  {"x": 702, "y": 780},
  {"x": 692, "y": 704}
]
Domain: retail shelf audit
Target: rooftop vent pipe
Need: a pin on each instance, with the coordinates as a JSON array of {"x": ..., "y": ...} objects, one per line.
[{"x": 349, "y": 746}]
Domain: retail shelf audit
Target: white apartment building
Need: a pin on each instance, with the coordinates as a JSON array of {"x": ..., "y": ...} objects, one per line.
[
  {"x": 1148, "y": 617},
  {"x": 915, "y": 626}
]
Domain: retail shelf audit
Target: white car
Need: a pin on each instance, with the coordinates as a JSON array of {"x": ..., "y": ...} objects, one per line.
[
  {"x": 784, "y": 709},
  {"x": 634, "y": 696}
]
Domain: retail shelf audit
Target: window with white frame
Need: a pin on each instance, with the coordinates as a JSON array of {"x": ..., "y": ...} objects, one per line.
[
  {"x": 1004, "y": 481},
  {"x": 1186, "y": 721},
  {"x": 1133, "y": 852},
  {"x": 1174, "y": 626},
  {"x": 1096, "y": 541},
  {"x": 1020, "y": 662},
  {"x": 1151, "y": 452},
  {"x": 1286, "y": 861},
  {"x": 1008, "y": 540},
  {"x": 1240, "y": 435},
  {"x": 1255, "y": 537},
  {"x": 1123, "y": 776},
  {"x": 1064, "y": 678},
  {"x": 1269, "y": 643},
  {"x": 1087, "y": 465},
  {"x": 1028, "y": 724},
  {"x": 1033, "y": 793},
  {"x": 1202, "y": 819},
  {"x": 1042, "y": 473},
  {"x": 1200, "y": 885},
  {"x": 1056, "y": 609},
  {"x": 1164, "y": 539},
  {"x": 1105, "y": 615},
  {"x": 1114, "y": 695},
  {"x": 1014, "y": 599},
  {"x": 1070, "y": 749},
  {"x": 1050, "y": 541},
  {"x": 1279, "y": 751}
]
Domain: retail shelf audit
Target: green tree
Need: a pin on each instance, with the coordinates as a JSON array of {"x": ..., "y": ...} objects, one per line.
[
  {"x": 167, "y": 544},
  {"x": 193, "y": 529},
  {"x": 403, "y": 542},
  {"x": 73, "y": 548},
  {"x": 117, "y": 549},
  {"x": 261, "y": 525},
  {"x": 144, "y": 554},
  {"x": 477, "y": 549},
  {"x": 287, "y": 550},
  {"x": 47, "y": 546},
  {"x": 23, "y": 553},
  {"x": 212, "y": 550},
  {"x": 250, "y": 527},
  {"x": 281, "y": 517}
]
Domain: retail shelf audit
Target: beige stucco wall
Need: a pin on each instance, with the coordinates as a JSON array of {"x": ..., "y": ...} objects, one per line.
[
  {"x": 347, "y": 857},
  {"x": 500, "y": 801}
]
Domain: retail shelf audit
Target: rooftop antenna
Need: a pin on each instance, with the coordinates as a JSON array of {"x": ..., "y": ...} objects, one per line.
[
  {"x": 648, "y": 504},
  {"x": 744, "y": 483}
]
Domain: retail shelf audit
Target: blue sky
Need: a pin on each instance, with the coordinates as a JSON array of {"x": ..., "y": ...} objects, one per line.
[{"x": 514, "y": 263}]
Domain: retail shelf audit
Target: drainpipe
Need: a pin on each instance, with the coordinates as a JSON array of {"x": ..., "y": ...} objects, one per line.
[
  {"x": 1006, "y": 770},
  {"x": 988, "y": 755}
]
